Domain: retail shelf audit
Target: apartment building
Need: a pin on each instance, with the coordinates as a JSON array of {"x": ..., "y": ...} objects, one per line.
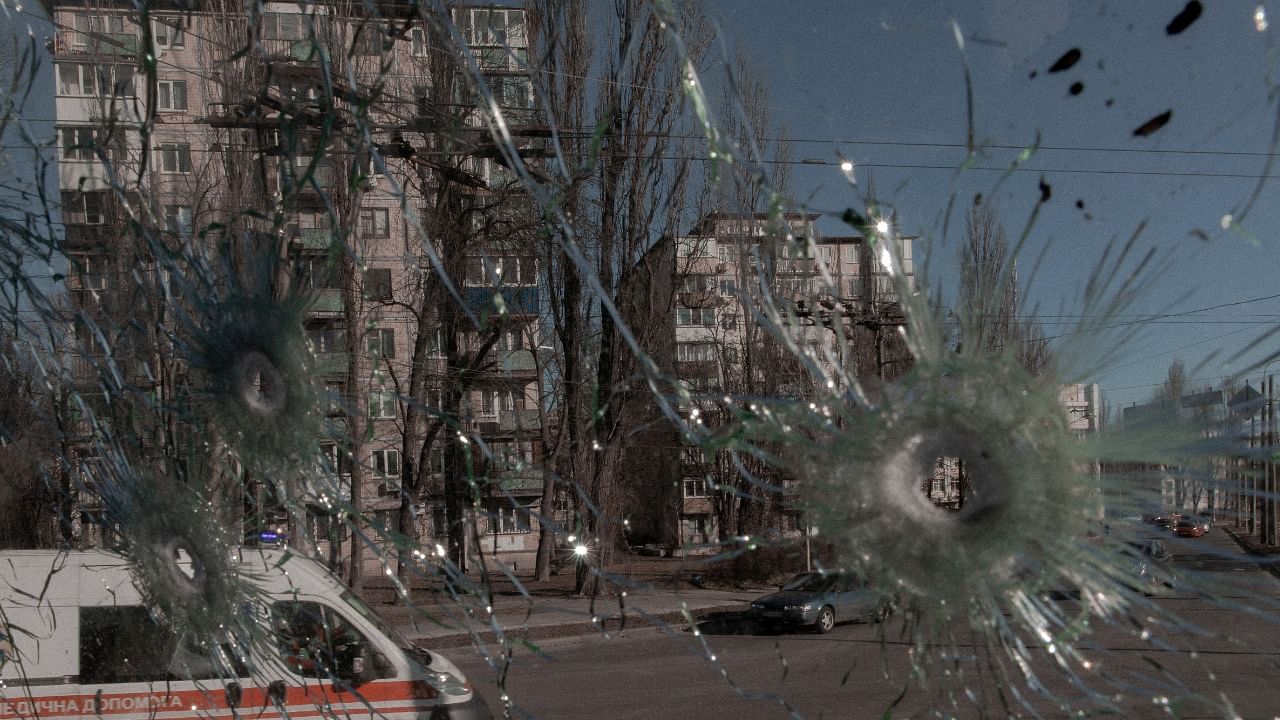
[
  {"x": 321, "y": 133},
  {"x": 823, "y": 287}
]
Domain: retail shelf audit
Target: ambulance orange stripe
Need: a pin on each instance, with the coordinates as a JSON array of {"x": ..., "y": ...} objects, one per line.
[{"x": 163, "y": 703}]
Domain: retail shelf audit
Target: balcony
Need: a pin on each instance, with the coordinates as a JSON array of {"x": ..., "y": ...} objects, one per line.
[
  {"x": 327, "y": 300},
  {"x": 703, "y": 298},
  {"x": 513, "y": 360},
  {"x": 504, "y": 422},
  {"x": 806, "y": 266},
  {"x": 698, "y": 368},
  {"x": 291, "y": 51},
  {"x": 696, "y": 505},
  {"x": 84, "y": 368},
  {"x": 519, "y": 482},
  {"x": 122, "y": 44},
  {"x": 313, "y": 239},
  {"x": 331, "y": 363},
  {"x": 523, "y": 300},
  {"x": 96, "y": 44},
  {"x": 524, "y": 420}
]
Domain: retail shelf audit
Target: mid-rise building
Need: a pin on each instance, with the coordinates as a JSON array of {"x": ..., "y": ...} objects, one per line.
[
  {"x": 835, "y": 305},
  {"x": 321, "y": 137}
]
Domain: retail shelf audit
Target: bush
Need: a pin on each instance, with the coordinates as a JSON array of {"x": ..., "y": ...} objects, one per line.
[{"x": 765, "y": 565}]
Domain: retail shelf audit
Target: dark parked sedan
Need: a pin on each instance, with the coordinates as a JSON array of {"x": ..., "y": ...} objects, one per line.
[
  {"x": 1189, "y": 527},
  {"x": 818, "y": 600}
]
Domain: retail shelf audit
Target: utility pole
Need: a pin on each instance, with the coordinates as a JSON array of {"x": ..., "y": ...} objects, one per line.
[{"x": 1268, "y": 468}]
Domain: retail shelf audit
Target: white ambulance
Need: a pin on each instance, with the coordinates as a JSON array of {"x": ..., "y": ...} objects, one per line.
[{"x": 77, "y": 641}]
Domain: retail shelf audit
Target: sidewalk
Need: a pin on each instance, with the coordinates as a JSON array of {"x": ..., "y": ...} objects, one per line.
[
  {"x": 643, "y": 592},
  {"x": 1268, "y": 556}
]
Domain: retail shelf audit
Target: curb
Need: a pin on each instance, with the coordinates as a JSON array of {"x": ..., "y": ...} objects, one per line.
[
  {"x": 1249, "y": 549},
  {"x": 613, "y": 624}
]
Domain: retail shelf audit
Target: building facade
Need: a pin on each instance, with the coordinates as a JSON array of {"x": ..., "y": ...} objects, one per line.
[
  {"x": 835, "y": 306},
  {"x": 318, "y": 140}
]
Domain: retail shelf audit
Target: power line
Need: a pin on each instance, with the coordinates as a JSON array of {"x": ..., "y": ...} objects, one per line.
[{"x": 825, "y": 141}]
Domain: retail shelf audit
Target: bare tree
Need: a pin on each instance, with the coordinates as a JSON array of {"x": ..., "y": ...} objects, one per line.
[
  {"x": 988, "y": 304},
  {"x": 618, "y": 194}
]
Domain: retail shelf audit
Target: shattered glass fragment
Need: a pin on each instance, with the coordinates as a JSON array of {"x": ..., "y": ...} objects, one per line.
[{"x": 362, "y": 331}]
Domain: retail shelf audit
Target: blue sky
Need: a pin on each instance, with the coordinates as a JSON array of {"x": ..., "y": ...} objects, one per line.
[{"x": 849, "y": 75}]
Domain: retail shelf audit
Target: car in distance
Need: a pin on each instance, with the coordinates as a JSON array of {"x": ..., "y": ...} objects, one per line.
[
  {"x": 1189, "y": 527},
  {"x": 1204, "y": 519},
  {"x": 818, "y": 600}
]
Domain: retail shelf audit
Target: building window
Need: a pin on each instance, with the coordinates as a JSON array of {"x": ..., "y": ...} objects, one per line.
[
  {"x": 528, "y": 267},
  {"x": 505, "y": 518},
  {"x": 82, "y": 80},
  {"x": 695, "y": 352},
  {"x": 435, "y": 342},
  {"x": 79, "y": 143},
  {"x": 171, "y": 94},
  {"x": 173, "y": 157},
  {"x": 508, "y": 270},
  {"x": 377, "y": 284},
  {"x": 71, "y": 79},
  {"x": 88, "y": 277},
  {"x": 794, "y": 250},
  {"x": 335, "y": 394},
  {"x": 510, "y": 340},
  {"x": 698, "y": 523},
  {"x": 476, "y": 272},
  {"x": 84, "y": 208},
  {"x": 335, "y": 459},
  {"x": 178, "y": 219},
  {"x": 382, "y": 405},
  {"x": 696, "y": 316},
  {"x": 511, "y": 91},
  {"x": 368, "y": 40},
  {"x": 418, "y": 42},
  {"x": 297, "y": 92},
  {"x": 87, "y": 25},
  {"x": 439, "y": 520},
  {"x": 326, "y": 337},
  {"x": 316, "y": 272},
  {"x": 386, "y": 463},
  {"x": 375, "y": 222},
  {"x": 514, "y": 455},
  {"x": 491, "y": 26},
  {"x": 725, "y": 254},
  {"x": 695, "y": 487},
  {"x": 697, "y": 283},
  {"x": 283, "y": 26},
  {"x": 381, "y": 342},
  {"x": 701, "y": 383},
  {"x": 167, "y": 32}
]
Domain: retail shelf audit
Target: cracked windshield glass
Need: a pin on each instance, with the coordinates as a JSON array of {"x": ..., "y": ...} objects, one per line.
[{"x": 574, "y": 359}]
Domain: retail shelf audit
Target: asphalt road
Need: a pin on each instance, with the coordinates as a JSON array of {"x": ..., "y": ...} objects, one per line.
[{"x": 1220, "y": 648}]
